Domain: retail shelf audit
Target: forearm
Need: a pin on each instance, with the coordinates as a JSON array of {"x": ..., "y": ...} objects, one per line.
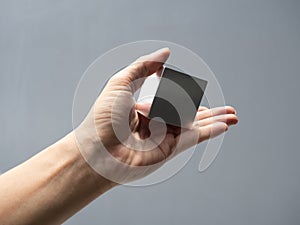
[{"x": 50, "y": 187}]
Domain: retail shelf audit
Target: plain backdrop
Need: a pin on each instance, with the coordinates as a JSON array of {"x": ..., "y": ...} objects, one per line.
[{"x": 253, "y": 48}]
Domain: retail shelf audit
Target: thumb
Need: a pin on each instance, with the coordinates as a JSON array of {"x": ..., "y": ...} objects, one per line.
[
  {"x": 148, "y": 64},
  {"x": 144, "y": 67}
]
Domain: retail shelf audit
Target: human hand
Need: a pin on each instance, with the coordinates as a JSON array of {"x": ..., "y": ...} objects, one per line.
[{"x": 122, "y": 144}]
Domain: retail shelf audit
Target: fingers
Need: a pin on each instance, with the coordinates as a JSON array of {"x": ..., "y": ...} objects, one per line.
[
  {"x": 216, "y": 121},
  {"x": 192, "y": 137},
  {"x": 229, "y": 119},
  {"x": 209, "y": 124},
  {"x": 211, "y": 130},
  {"x": 203, "y": 114},
  {"x": 213, "y": 122},
  {"x": 202, "y": 108}
]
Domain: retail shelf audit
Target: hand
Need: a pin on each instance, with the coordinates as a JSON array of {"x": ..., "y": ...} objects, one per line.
[
  {"x": 125, "y": 132},
  {"x": 115, "y": 139}
]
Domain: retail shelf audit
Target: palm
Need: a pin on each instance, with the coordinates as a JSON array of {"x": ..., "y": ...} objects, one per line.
[
  {"x": 121, "y": 124},
  {"x": 118, "y": 123}
]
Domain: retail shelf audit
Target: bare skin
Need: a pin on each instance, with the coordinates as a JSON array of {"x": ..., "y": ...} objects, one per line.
[{"x": 56, "y": 183}]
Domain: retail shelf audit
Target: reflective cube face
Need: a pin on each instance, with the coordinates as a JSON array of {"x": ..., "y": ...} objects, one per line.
[{"x": 177, "y": 98}]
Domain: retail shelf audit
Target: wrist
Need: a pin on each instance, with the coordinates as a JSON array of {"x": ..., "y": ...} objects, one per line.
[{"x": 70, "y": 145}]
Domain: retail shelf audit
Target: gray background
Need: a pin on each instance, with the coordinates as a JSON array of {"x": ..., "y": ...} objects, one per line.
[{"x": 253, "y": 48}]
